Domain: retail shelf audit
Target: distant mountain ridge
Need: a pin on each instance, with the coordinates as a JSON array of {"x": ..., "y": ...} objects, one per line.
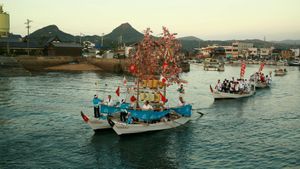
[
  {"x": 190, "y": 38},
  {"x": 128, "y": 35},
  {"x": 125, "y": 33},
  {"x": 290, "y": 42},
  {"x": 43, "y": 34}
]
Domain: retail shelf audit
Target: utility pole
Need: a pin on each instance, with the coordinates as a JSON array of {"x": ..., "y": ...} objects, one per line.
[
  {"x": 27, "y": 23},
  {"x": 102, "y": 40}
]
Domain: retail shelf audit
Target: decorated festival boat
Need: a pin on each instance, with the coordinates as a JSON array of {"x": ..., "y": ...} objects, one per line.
[
  {"x": 226, "y": 90},
  {"x": 155, "y": 66},
  {"x": 261, "y": 81}
]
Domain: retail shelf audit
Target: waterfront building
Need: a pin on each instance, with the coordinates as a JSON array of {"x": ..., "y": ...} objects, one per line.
[
  {"x": 235, "y": 50},
  {"x": 296, "y": 52},
  {"x": 264, "y": 52},
  {"x": 252, "y": 52},
  {"x": 55, "y": 47},
  {"x": 239, "y": 48},
  {"x": 287, "y": 54},
  {"x": 228, "y": 51}
]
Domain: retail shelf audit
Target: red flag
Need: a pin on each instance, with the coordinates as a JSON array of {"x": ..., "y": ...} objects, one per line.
[
  {"x": 132, "y": 99},
  {"x": 163, "y": 79},
  {"x": 163, "y": 98},
  {"x": 124, "y": 81},
  {"x": 84, "y": 117},
  {"x": 118, "y": 91}
]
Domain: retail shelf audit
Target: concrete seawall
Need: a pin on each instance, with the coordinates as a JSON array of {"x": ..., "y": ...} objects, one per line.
[
  {"x": 9, "y": 66},
  {"x": 110, "y": 65},
  {"x": 27, "y": 64},
  {"x": 34, "y": 63}
]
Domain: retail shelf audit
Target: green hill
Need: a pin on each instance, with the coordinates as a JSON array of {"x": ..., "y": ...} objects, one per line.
[{"x": 125, "y": 33}]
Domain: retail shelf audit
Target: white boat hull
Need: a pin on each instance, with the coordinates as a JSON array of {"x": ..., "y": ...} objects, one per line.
[
  {"x": 222, "y": 95},
  {"x": 280, "y": 72},
  {"x": 123, "y": 128},
  {"x": 262, "y": 85},
  {"x": 96, "y": 123}
]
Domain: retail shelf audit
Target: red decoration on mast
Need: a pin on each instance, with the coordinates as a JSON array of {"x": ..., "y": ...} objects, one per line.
[
  {"x": 157, "y": 56},
  {"x": 243, "y": 68}
]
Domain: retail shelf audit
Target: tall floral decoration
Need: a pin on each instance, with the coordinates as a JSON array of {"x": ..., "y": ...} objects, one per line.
[{"x": 157, "y": 56}]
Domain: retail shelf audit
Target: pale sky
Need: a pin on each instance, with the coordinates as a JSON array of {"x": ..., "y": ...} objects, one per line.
[{"x": 205, "y": 19}]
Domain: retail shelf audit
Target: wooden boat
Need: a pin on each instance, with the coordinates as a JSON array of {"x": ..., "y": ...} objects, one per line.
[
  {"x": 260, "y": 84},
  {"x": 213, "y": 64},
  {"x": 222, "y": 95},
  {"x": 102, "y": 122},
  {"x": 166, "y": 69},
  {"x": 96, "y": 123},
  {"x": 176, "y": 117},
  {"x": 294, "y": 62},
  {"x": 280, "y": 72},
  {"x": 256, "y": 78}
]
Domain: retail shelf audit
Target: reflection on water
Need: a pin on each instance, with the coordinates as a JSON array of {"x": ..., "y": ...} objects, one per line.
[{"x": 41, "y": 127}]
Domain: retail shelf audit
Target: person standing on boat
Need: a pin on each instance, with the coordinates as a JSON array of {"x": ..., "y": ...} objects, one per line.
[
  {"x": 181, "y": 90},
  {"x": 219, "y": 86},
  {"x": 109, "y": 101},
  {"x": 147, "y": 106},
  {"x": 96, "y": 103},
  {"x": 181, "y": 102},
  {"x": 268, "y": 79},
  {"x": 123, "y": 113},
  {"x": 129, "y": 119}
]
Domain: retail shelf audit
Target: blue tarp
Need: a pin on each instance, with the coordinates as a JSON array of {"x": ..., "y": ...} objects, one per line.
[
  {"x": 184, "y": 110},
  {"x": 147, "y": 115},
  {"x": 113, "y": 109}
]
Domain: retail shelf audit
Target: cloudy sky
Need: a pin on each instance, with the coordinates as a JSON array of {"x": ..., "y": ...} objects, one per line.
[{"x": 206, "y": 19}]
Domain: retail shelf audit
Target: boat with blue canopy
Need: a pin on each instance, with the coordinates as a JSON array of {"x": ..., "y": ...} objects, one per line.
[{"x": 155, "y": 67}]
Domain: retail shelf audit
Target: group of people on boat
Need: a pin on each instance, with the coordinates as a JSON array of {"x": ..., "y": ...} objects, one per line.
[
  {"x": 97, "y": 102},
  {"x": 238, "y": 86},
  {"x": 260, "y": 77},
  {"x": 125, "y": 116}
]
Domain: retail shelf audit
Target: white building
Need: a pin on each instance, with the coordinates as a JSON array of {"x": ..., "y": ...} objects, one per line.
[
  {"x": 239, "y": 48},
  {"x": 264, "y": 52},
  {"x": 296, "y": 52},
  {"x": 228, "y": 51},
  {"x": 252, "y": 51},
  {"x": 127, "y": 50}
]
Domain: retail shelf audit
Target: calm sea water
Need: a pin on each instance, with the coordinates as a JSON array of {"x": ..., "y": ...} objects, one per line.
[{"x": 41, "y": 127}]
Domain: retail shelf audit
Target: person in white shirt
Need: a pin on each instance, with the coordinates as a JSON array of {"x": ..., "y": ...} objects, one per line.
[
  {"x": 242, "y": 85},
  {"x": 109, "y": 101},
  {"x": 219, "y": 86},
  {"x": 237, "y": 87},
  {"x": 181, "y": 102},
  {"x": 147, "y": 106}
]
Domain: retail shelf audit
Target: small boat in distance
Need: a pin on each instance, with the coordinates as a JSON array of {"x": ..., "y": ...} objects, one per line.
[
  {"x": 280, "y": 72},
  {"x": 294, "y": 62},
  {"x": 261, "y": 81},
  {"x": 213, "y": 64}
]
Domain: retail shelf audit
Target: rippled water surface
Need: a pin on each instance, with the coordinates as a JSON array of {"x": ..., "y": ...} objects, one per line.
[{"x": 40, "y": 125}]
